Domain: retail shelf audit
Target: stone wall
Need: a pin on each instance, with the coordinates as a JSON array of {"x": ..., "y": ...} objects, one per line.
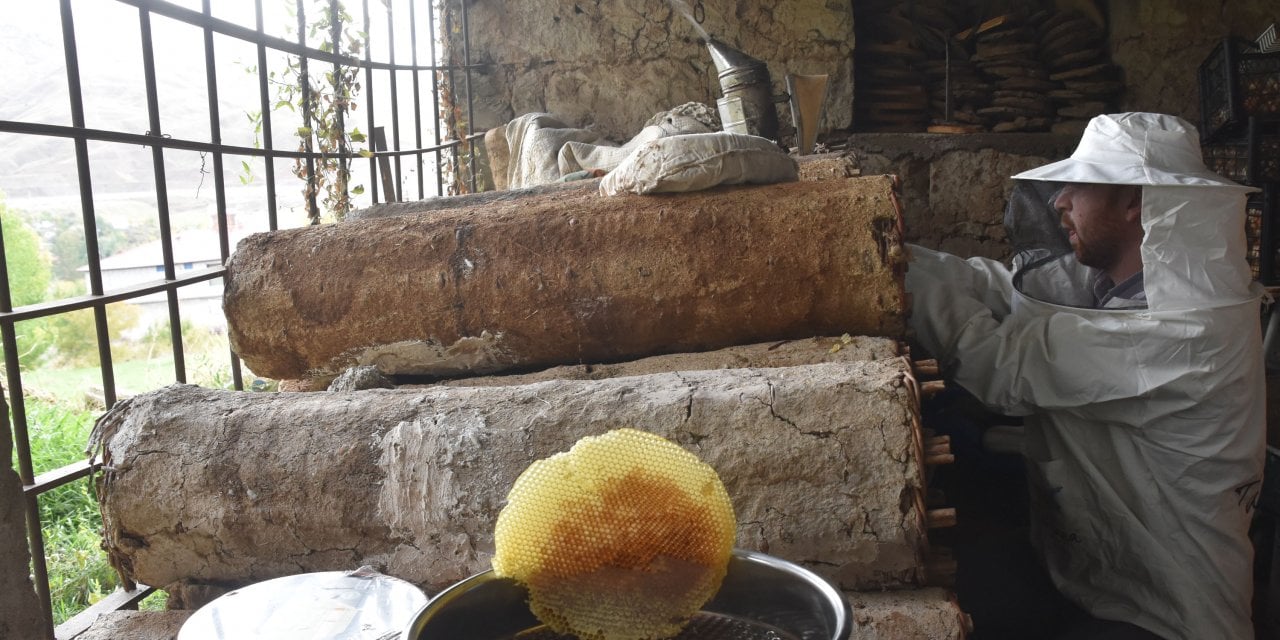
[
  {"x": 1160, "y": 44},
  {"x": 955, "y": 186},
  {"x": 612, "y": 64}
]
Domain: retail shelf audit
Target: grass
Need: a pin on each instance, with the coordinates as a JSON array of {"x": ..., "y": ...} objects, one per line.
[
  {"x": 58, "y": 427},
  {"x": 131, "y": 376},
  {"x": 79, "y": 573}
]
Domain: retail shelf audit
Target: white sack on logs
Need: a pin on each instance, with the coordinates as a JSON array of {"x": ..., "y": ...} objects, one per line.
[{"x": 215, "y": 487}]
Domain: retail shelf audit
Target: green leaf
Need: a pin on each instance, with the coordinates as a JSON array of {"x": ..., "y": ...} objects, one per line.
[
  {"x": 356, "y": 136},
  {"x": 304, "y": 132},
  {"x": 365, "y": 153},
  {"x": 358, "y": 189},
  {"x": 285, "y": 103}
]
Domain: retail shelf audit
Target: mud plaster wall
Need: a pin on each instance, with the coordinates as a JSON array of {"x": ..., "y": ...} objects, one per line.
[
  {"x": 1160, "y": 44},
  {"x": 955, "y": 186},
  {"x": 611, "y": 64}
]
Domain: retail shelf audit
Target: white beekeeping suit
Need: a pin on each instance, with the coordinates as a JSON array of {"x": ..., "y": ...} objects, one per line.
[{"x": 1144, "y": 424}]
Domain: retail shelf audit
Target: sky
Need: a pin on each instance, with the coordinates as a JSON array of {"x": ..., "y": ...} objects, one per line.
[{"x": 39, "y": 171}]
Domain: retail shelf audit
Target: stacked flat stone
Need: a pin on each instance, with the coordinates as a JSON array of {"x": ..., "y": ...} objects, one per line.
[
  {"x": 891, "y": 89},
  {"x": 1074, "y": 49},
  {"x": 1005, "y": 52}
]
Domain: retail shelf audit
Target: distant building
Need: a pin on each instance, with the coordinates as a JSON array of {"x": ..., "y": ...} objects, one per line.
[{"x": 193, "y": 250}]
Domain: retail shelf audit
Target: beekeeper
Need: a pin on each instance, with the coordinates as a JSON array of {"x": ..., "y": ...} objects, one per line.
[{"x": 1127, "y": 333}]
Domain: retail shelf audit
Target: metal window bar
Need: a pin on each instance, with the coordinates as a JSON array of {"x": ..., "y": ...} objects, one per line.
[
  {"x": 264, "y": 106},
  {"x": 435, "y": 99},
  {"x": 219, "y": 177},
  {"x": 398, "y": 196},
  {"x": 453, "y": 121},
  {"x": 162, "y": 192},
  {"x": 97, "y": 299},
  {"x": 369, "y": 93},
  {"x": 305, "y": 84},
  {"x": 417, "y": 94},
  {"x": 466, "y": 60}
]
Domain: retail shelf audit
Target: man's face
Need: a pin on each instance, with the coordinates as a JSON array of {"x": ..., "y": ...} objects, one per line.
[{"x": 1095, "y": 218}]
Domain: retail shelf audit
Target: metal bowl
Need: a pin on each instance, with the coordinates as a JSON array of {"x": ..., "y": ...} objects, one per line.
[
  {"x": 327, "y": 605},
  {"x": 761, "y": 598}
]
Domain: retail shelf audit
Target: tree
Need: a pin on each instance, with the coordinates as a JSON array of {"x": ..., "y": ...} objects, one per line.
[
  {"x": 26, "y": 259},
  {"x": 63, "y": 234},
  {"x": 74, "y": 337},
  {"x": 29, "y": 271}
]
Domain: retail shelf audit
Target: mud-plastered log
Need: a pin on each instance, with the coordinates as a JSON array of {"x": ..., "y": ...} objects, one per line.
[
  {"x": 570, "y": 277},
  {"x": 913, "y": 614},
  {"x": 204, "y": 486},
  {"x": 136, "y": 625},
  {"x": 784, "y": 353}
]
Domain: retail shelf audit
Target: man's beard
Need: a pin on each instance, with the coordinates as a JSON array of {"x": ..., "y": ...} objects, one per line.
[{"x": 1100, "y": 252}]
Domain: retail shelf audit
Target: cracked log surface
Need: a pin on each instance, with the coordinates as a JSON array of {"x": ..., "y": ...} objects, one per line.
[
  {"x": 136, "y": 625},
  {"x": 915, "y": 614},
  {"x": 218, "y": 487},
  {"x": 788, "y": 353},
  {"x": 568, "y": 278}
]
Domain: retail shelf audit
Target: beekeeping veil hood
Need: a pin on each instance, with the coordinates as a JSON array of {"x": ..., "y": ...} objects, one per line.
[{"x": 1193, "y": 251}]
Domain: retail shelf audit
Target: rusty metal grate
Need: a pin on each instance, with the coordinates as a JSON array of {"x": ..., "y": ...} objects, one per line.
[{"x": 380, "y": 164}]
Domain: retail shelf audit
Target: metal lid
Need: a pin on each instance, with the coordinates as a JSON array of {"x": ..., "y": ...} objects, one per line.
[
  {"x": 331, "y": 605},
  {"x": 726, "y": 57}
]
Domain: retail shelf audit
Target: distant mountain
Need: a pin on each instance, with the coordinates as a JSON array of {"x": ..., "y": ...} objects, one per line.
[
  {"x": 113, "y": 88},
  {"x": 39, "y": 173}
]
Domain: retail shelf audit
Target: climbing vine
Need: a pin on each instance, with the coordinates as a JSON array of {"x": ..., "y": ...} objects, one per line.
[
  {"x": 323, "y": 95},
  {"x": 324, "y": 100}
]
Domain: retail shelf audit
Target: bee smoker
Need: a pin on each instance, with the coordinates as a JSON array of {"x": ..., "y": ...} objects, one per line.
[{"x": 747, "y": 105}]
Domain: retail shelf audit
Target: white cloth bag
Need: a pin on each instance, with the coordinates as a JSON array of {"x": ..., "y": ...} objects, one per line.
[{"x": 700, "y": 161}]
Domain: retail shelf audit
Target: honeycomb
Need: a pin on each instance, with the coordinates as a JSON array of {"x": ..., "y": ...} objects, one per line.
[{"x": 623, "y": 537}]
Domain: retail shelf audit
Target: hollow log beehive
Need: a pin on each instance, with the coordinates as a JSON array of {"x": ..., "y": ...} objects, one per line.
[
  {"x": 822, "y": 462},
  {"x": 817, "y": 439},
  {"x": 569, "y": 277}
]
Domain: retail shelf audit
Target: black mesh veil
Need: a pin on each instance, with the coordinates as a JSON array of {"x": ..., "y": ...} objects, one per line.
[
  {"x": 1031, "y": 222},
  {"x": 1044, "y": 263}
]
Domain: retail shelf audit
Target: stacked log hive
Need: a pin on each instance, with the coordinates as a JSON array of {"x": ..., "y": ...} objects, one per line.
[
  {"x": 136, "y": 625},
  {"x": 1020, "y": 71},
  {"x": 569, "y": 277},
  {"x": 817, "y": 439},
  {"x": 824, "y": 463}
]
